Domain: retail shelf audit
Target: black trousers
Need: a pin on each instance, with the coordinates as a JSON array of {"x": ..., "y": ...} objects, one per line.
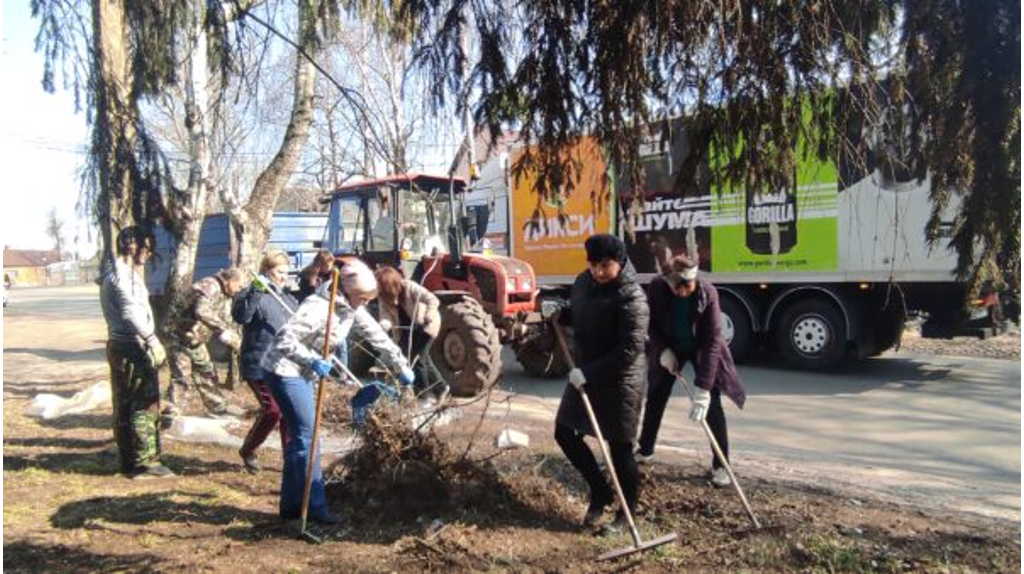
[
  {"x": 428, "y": 378},
  {"x": 581, "y": 457},
  {"x": 659, "y": 389}
]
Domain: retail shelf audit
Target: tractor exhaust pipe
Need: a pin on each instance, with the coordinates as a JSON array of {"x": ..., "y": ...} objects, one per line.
[{"x": 454, "y": 233}]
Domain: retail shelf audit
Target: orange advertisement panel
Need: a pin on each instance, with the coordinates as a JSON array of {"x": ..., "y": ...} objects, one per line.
[{"x": 550, "y": 236}]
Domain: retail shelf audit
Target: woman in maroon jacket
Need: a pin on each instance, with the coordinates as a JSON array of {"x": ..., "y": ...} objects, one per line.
[{"x": 686, "y": 326}]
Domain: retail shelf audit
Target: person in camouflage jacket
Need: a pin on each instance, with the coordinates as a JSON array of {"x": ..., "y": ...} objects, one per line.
[{"x": 203, "y": 313}]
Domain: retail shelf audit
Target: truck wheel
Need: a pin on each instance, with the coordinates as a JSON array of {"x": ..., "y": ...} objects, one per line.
[
  {"x": 810, "y": 335},
  {"x": 736, "y": 328},
  {"x": 467, "y": 350},
  {"x": 542, "y": 357}
]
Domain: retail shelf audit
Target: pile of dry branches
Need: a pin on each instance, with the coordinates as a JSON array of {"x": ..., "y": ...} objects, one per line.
[{"x": 403, "y": 468}]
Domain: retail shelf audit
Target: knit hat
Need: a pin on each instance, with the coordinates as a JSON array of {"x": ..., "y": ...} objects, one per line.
[
  {"x": 355, "y": 278},
  {"x": 605, "y": 246}
]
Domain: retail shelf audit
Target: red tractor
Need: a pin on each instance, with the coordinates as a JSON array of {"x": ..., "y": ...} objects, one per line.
[{"x": 421, "y": 225}]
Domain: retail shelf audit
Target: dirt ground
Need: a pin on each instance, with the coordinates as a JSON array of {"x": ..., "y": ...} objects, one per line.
[{"x": 66, "y": 509}]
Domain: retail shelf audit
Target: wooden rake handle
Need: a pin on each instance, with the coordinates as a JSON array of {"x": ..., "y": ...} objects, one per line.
[
  {"x": 637, "y": 542},
  {"x": 721, "y": 456},
  {"x": 320, "y": 395}
]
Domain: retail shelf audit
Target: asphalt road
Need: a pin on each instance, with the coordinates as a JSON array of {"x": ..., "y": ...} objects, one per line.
[{"x": 939, "y": 431}]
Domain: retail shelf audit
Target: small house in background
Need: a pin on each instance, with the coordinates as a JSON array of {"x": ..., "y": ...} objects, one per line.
[{"x": 24, "y": 267}]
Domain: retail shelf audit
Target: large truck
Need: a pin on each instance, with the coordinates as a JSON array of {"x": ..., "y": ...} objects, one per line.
[
  {"x": 819, "y": 271},
  {"x": 298, "y": 234}
]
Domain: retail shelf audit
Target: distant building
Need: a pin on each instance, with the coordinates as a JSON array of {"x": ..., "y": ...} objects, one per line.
[{"x": 24, "y": 267}]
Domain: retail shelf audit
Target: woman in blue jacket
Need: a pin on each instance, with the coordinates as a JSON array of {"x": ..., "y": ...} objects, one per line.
[{"x": 262, "y": 309}]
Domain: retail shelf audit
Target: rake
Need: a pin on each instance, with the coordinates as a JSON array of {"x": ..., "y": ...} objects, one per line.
[{"x": 638, "y": 544}]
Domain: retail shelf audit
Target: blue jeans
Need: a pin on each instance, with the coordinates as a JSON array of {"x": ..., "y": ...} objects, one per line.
[{"x": 297, "y": 400}]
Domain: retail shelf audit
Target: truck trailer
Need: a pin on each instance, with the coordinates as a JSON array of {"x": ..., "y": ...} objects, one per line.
[{"x": 819, "y": 271}]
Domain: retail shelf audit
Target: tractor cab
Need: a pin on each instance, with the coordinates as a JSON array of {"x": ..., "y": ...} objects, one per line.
[
  {"x": 398, "y": 220},
  {"x": 421, "y": 225}
]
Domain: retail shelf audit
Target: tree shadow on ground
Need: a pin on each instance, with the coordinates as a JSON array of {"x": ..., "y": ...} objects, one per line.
[
  {"x": 82, "y": 421},
  {"x": 105, "y": 463},
  {"x": 61, "y": 355},
  {"x": 98, "y": 463},
  {"x": 190, "y": 466},
  {"x": 152, "y": 508},
  {"x": 64, "y": 388},
  {"x": 25, "y": 556},
  {"x": 59, "y": 442}
]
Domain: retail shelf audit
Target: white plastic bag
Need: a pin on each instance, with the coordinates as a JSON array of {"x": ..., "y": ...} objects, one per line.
[
  {"x": 49, "y": 406},
  {"x": 202, "y": 429},
  {"x": 509, "y": 439}
]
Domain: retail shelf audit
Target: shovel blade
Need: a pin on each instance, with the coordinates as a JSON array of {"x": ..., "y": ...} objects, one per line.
[
  {"x": 365, "y": 399},
  {"x": 661, "y": 540}
]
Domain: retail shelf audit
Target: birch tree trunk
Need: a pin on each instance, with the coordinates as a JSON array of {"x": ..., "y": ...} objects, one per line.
[
  {"x": 191, "y": 206},
  {"x": 253, "y": 222}
]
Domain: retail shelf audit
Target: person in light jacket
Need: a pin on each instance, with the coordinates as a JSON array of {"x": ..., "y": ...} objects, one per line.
[
  {"x": 411, "y": 314},
  {"x": 294, "y": 361},
  {"x": 686, "y": 326},
  {"x": 608, "y": 313},
  {"x": 135, "y": 355}
]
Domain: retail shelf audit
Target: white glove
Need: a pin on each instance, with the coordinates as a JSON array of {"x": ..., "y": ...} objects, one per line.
[
  {"x": 669, "y": 361},
  {"x": 231, "y": 339},
  {"x": 700, "y": 401},
  {"x": 577, "y": 379},
  {"x": 386, "y": 325},
  {"x": 155, "y": 352}
]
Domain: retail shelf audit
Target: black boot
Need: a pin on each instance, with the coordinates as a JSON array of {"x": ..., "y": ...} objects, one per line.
[{"x": 599, "y": 501}]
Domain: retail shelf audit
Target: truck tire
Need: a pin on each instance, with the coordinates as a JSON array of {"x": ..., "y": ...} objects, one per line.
[
  {"x": 541, "y": 356},
  {"x": 810, "y": 335},
  {"x": 467, "y": 350},
  {"x": 736, "y": 328}
]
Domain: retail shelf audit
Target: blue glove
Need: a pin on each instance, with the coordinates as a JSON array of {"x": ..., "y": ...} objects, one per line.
[
  {"x": 406, "y": 377},
  {"x": 321, "y": 367}
]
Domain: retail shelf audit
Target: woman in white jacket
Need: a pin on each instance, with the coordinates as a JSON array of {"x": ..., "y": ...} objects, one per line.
[{"x": 293, "y": 361}]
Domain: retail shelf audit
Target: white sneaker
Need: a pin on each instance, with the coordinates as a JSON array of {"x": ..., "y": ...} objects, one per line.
[
  {"x": 642, "y": 458},
  {"x": 720, "y": 478}
]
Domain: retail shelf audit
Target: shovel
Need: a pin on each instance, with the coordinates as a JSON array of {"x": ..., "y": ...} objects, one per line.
[{"x": 638, "y": 544}]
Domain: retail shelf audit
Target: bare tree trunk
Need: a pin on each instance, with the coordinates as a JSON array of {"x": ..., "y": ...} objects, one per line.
[
  {"x": 253, "y": 223},
  {"x": 191, "y": 207},
  {"x": 113, "y": 135}
]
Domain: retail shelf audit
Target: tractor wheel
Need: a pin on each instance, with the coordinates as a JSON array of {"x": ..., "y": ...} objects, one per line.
[
  {"x": 542, "y": 357},
  {"x": 467, "y": 350}
]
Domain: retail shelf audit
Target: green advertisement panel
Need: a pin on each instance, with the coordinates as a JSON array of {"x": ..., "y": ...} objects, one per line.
[{"x": 782, "y": 230}]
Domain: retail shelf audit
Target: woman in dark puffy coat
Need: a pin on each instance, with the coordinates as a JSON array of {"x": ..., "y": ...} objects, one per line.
[
  {"x": 261, "y": 315},
  {"x": 608, "y": 312}
]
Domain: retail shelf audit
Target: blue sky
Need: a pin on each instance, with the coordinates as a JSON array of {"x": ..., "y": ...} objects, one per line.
[
  {"x": 44, "y": 146},
  {"x": 44, "y": 143}
]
